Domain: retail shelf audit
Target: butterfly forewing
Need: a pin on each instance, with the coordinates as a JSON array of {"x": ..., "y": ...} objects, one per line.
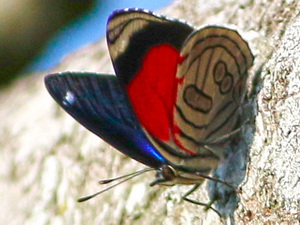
[
  {"x": 132, "y": 33},
  {"x": 213, "y": 75},
  {"x": 100, "y": 104},
  {"x": 145, "y": 50}
]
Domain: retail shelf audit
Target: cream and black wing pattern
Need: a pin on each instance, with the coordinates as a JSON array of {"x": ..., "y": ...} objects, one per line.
[{"x": 212, "y": 81}]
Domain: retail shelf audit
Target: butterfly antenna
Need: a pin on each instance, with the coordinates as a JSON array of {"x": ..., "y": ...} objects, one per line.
[
  {"x": 125, "y": 178},
  {"x": 136, "y": 173}
]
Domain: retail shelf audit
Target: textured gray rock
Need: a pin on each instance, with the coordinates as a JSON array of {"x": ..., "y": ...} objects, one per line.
[{"x": 48, "y": 160}]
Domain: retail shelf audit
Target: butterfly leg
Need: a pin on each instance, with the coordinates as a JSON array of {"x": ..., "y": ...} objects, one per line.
[
  {"x": 225, "y": 137},
  {"x": 246, "y": 120},
  {"x": 207, "y": 205}
]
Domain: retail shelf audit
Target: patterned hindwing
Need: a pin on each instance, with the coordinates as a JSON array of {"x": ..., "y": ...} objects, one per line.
[{"x": 212, "y": 84}]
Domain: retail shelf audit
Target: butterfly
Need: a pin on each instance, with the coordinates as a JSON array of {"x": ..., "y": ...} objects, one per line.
[{"x": 175, "y": 101}]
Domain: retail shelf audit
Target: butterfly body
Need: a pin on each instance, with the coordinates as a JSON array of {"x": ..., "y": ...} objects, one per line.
[{"x": 177, "y": 91}]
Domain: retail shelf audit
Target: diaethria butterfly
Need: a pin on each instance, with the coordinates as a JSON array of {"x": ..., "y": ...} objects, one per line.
[{"x": 175, "y": 101}]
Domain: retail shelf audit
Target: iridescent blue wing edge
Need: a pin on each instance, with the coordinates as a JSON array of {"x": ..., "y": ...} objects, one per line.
[{"x": 101, "y": 105}]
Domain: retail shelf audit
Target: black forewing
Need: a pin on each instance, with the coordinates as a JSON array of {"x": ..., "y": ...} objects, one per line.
[
  {"x": 132, "y": 32},
  {"x": 100, "y": 104}
]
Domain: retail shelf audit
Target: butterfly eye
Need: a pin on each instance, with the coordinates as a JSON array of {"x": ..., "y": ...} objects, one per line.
[{"x": 168, "y": 173}]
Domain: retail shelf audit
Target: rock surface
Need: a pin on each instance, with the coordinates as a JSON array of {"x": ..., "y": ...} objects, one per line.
[{"x": 48, "y": 160}]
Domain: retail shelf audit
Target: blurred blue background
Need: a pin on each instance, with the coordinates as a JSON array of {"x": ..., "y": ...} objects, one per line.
[{"x": 86, "y": 29}]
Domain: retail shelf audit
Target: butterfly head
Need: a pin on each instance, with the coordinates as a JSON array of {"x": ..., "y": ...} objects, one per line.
[{"x": 168, "y": 176}]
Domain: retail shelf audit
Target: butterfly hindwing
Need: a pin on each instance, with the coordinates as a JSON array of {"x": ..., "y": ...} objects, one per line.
[
  {"x": 100, "y": 104},
  {"x": 213, "y": 74}
]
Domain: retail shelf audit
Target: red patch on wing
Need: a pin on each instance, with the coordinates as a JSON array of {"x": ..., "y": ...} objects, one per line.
[
  {"x": 152, "y": 91},
  {"x": 176, "y": 131}
]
